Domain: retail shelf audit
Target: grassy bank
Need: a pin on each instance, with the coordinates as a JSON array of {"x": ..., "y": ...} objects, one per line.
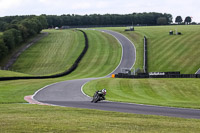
[
  {"x": 35, "y": 118},
  {"x": 164, "y": 92},
  {"x": 53, "y": 54}
]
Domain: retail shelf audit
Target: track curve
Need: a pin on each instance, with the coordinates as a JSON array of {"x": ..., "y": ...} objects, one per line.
[{"x": 69, "y": 94}]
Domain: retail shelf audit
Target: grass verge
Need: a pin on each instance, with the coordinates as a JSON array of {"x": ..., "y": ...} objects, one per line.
[
  {"x": 164, "y": 92},
  {"x": 6, "y": 73},
  {"x": 36, "y": 118}
]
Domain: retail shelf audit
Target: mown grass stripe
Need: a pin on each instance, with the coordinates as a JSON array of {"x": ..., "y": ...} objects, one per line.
[
  {"x": 164, "y": 52},
  {"x": 172, "y": 57},
  {"x": 175, "y": 56}
]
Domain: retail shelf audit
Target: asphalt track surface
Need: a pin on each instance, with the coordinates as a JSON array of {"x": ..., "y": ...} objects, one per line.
[
  {"x": 198, "y": 72},
  {"x": 69, "y": 93}
]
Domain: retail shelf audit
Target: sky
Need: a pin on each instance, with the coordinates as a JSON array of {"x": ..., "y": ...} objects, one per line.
[{"x": 181, "y": 8}]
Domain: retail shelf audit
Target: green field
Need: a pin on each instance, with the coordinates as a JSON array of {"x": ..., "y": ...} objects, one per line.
[
  {"x": 103, "y": 56},
  {"x": 163, "y": 92}
]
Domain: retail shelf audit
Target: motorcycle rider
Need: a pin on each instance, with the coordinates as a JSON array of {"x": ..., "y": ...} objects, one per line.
[{"x": 102, "y": 94}]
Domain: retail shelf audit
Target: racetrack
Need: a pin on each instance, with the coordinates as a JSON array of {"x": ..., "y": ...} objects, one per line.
[{"x": 69, "y": 94}]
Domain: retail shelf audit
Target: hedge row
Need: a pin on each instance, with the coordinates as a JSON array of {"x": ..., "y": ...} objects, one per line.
[{"x": 71, "y": 69}]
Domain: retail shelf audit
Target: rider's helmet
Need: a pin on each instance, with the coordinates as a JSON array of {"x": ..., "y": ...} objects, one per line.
[{"x": 103, "y": 91}]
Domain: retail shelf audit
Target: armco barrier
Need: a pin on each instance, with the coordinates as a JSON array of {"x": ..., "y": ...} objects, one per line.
[
  {"x": 71, "y": 69},
  {"x": 145, "y": 75},
  {"x": 145, "y": 67}
]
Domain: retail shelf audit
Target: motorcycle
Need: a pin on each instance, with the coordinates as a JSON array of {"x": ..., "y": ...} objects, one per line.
[{"x": 98, "y": 97}]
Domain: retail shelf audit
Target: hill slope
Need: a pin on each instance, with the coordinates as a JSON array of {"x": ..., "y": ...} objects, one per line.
[{"x": 53, "y": 54}]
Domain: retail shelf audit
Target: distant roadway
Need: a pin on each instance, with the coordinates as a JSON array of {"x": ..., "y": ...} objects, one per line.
[{"x": 69, "y": 93}]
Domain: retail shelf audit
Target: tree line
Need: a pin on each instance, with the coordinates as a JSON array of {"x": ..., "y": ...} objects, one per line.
[
  {"x": 17, "y": 29},
  {"x": 151, "y": 18}
]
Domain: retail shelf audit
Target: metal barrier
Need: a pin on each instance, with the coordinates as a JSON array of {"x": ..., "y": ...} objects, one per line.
[
  {"x": 145, "y": 75},
  {"x": 145, "y": 67}
]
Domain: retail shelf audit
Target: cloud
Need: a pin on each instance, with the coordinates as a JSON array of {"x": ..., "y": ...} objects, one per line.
[
  {"x": 5, "y": 4},
  {"x": 58, "y": 7}
]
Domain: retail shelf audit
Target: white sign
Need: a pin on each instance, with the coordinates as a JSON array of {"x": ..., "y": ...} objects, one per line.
[{"x": 156, "y": 73}]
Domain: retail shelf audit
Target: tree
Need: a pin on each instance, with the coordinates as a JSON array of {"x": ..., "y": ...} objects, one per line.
[
  {"x": 168, "y": 17},
  {"x": 179, "y": 19},
  {"x": 17, "y": 36},
  {"x": 188, "y": 20},
  {"x": 3, "y": 49},
  {"x": 162, "y": 21},
  {"x": 24, "y": 32},
  {"x": 9, "y": 39},
  {"x": 12, "y": 38}
]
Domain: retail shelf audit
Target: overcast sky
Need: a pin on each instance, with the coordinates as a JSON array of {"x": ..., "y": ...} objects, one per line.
[{"x": 58, "y": 7}]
